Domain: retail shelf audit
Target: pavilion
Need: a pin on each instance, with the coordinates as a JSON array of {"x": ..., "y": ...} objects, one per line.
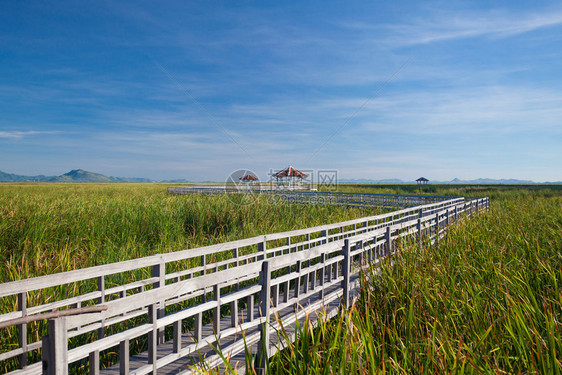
[
  {"x": 422, "y": 181},
  {"x": 289, "y": 175},
  {"x": 248, "y": 178}
]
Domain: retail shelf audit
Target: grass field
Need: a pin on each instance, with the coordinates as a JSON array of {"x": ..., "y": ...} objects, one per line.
[
  {"x": 50, "y": 228},
  {"x": 486, "y": 301}
]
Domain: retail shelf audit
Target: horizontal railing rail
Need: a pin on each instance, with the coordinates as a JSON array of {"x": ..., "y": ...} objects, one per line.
[{"x": 181, "y": 289}]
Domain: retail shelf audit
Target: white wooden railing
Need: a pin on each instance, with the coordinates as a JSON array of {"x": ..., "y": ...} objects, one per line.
[{"x": 143, "y": 297}]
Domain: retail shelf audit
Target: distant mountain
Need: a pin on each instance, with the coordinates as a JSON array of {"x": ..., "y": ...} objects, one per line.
[
  {"x": 367, "y": 181},
  {"x": 485, "y": 181},
  {"x": 80, "y": 175},
  {"x": 76, "y": 175},
  {"x": 478, "y": 181},
  {"x": 11, "y": 177},
  {"x": 180, "y": 180}
]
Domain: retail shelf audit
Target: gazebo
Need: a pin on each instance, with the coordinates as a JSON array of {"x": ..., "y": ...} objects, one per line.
[
  {"x": 422, "y": 181},
  {"x": 248, "y": 178},
  {"x": 289, "y": 175}
]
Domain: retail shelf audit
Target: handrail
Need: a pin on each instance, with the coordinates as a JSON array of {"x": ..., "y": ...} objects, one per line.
[{"x": 53, "y": 314}]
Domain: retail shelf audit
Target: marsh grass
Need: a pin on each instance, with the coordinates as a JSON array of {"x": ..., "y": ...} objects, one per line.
[
  {"x": 51, "y": 228},
  {"x": 487, "y": 300}
]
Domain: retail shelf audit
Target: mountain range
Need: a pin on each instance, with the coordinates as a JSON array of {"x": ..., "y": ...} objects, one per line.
[
  {"x": 478, "y": 181},
  {"x": 76, "y": 175},
  {"x": 80, "y": 175}
]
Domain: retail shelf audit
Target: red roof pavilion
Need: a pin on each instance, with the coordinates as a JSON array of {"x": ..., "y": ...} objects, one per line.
[
  {"x": 290, "y": 172},
  {"x": 249, "y": 177}
]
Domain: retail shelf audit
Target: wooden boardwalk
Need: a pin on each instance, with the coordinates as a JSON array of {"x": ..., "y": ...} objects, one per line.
[
  {"x": 178, "y": 304},
  {"x": 234, "y": 347}
]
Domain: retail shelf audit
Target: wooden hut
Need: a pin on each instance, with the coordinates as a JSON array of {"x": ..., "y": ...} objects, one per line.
[
  {"x": 289, "y": 176},
  {"x": 422, "y": 181},
  {"x": 248, "y": 178}
]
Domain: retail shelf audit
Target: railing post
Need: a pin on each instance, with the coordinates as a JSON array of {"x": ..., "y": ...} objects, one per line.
[
  {"x": 288, "y": 252},
  {"x": 153, "y": 336},
  {"x": 298, "y": 269},
  {"x": 177, "y": 336},
  {"x": 101, "y": 301},
  {"x": 419, "y": 228},
  {"x": 203, "y": 272},
  {"x": 217, "y": 310},
  {"x": 322, "y": 274},
  {"x": 275, "y": 295},
  {"x": 324, "y": 236},
  {"x": 94, "y": 362},
  {"x": 346, "y": 265},
  {"x": 94, "y": 357},
  {"x": 198, "y": 327},
  {"x": 262, "y": 249},
  {"x": 388, "y": 240},
  {"x": 55, "y": 348},
  {"x": 437, "y": 229},
  {"x": 250, "y": 307},
  {"x": 159, "y": 271},
  {"x": 234, "y": 313},
  {"x": 124, "y": 357},
  {"x": 263, "y": 352},
  {"x": 287, "y": 284},
  {"x": 22, "y": 330}
]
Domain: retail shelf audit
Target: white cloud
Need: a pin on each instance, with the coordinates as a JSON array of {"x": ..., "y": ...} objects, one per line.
[
  {"x": 449, "y": 25},
  {"x": 16, "y": 134}
]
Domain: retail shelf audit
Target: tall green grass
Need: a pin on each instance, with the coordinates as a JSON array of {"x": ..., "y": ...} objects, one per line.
[
  {"x": 487, "y": 300},
  {"x": 50, "y": 228}
]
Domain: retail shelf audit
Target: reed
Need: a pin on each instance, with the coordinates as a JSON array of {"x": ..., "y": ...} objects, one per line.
[
  {"x": 487, "y": 300},
  {"x": 50, "y": 228}
]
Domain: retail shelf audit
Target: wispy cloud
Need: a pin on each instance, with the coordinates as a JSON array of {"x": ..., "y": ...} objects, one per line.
[
  {"x": 436, "y": 26},
  {"x": 16, "y": 134},
  {"x": 470, "y": 110},
  {"x": 483, "y": 88}
]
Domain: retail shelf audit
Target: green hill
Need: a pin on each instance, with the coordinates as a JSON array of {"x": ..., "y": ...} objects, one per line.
[{"x": 76, "y": 175}]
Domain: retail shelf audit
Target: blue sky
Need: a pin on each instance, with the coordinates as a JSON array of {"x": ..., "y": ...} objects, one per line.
[{"x": 197, "y": 90}]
